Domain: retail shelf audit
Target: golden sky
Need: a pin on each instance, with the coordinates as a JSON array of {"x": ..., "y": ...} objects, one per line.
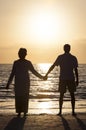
[{"x": 42, "y": 27}]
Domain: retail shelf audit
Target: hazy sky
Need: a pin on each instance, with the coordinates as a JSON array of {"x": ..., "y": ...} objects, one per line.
[{"x": 43, "y": 27}]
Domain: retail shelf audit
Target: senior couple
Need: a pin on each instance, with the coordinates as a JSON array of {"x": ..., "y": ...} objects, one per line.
[{"x": 68, "y": 78}]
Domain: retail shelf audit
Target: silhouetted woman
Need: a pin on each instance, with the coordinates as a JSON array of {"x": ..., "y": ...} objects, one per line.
[{"x": 22, "y": 81}]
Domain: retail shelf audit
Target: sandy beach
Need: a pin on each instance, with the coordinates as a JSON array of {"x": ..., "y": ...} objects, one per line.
[
  {"x": 44, "y": 119},
  {"x": 43, "y": 122},
  {"x": 43, "y": 107}
]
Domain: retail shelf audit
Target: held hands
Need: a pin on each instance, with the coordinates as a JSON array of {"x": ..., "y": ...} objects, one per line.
[{"x": 45, "y": 77}]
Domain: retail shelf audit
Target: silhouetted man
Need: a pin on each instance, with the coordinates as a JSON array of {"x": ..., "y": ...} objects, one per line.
[{"x": 68, "y": 78}]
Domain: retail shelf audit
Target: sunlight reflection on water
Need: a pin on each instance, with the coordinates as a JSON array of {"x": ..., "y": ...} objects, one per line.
[
  {"x": 43, "y": 67},
  {"x": 43, "y": 94}
]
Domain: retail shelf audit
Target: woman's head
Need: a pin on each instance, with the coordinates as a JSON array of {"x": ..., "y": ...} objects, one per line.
[{"x": 22, "y": 53}]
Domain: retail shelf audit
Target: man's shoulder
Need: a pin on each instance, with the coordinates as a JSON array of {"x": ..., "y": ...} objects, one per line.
[
  {"x": 58, "y": 59},
  {"x": 61, "y": 55},
  {"x": 73, "y": 56},
  {"x": 67, "y": 55}
]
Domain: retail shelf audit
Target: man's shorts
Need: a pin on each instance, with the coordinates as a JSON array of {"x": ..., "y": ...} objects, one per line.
[{"x": 67, "y": 84}]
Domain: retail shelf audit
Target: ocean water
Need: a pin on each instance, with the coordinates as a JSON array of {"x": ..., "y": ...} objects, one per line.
[{"x": 44, "y": 95}]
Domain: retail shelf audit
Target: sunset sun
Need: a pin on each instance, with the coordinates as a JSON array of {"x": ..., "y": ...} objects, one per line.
[
  {"x": 41, "y": 26},
  {"x": 44, "y": 26}
]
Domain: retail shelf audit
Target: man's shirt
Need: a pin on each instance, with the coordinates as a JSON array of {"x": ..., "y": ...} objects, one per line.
[{"x": 67, "y": 63}]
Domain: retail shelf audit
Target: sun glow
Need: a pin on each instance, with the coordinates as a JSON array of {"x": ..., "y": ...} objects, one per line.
[
  {"x": 44, "y": 26},
  {"x": 41, "y": 26},
  {"x": 44, "y": 67}
]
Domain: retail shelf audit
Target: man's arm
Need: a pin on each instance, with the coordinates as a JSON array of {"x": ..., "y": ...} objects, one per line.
[
  {"x": 50, "y": 69},
  {"x": 76, "y": 74},
  {"x": 56, "y": 63}
]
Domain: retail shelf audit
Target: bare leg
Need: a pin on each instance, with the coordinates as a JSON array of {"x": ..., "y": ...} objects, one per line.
[
  {"x": 60, "y": 103},
  {"x": 73, "y": 103}
]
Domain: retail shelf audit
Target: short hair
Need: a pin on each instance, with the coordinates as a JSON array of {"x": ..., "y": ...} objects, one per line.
[
  {"x": 22, "y": 53},
  {"x": 67, "y": 48}
]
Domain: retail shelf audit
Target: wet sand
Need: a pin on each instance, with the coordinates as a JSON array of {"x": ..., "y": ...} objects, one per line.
[
  {"x": 42, "y": 116},
  {"x": 44, "y": 119},
  {"x": 43, "y": 107},
  {"x": 43, "y": 122}
]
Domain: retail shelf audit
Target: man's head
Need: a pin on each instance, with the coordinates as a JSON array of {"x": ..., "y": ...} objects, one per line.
[
  {"x": 22, "y": 53},
  {"x": 67, "y": 48}
]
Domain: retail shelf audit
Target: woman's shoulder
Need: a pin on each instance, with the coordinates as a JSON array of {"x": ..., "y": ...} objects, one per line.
[{"x": 27, "y": 61}]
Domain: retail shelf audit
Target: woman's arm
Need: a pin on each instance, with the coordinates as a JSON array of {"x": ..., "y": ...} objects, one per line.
[
  {"x": 11, "y": 77},
  {"x": 35, "y": 72}
]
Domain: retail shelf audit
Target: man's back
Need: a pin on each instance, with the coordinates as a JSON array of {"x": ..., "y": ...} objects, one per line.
[{"x": 67, "y": 63}]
